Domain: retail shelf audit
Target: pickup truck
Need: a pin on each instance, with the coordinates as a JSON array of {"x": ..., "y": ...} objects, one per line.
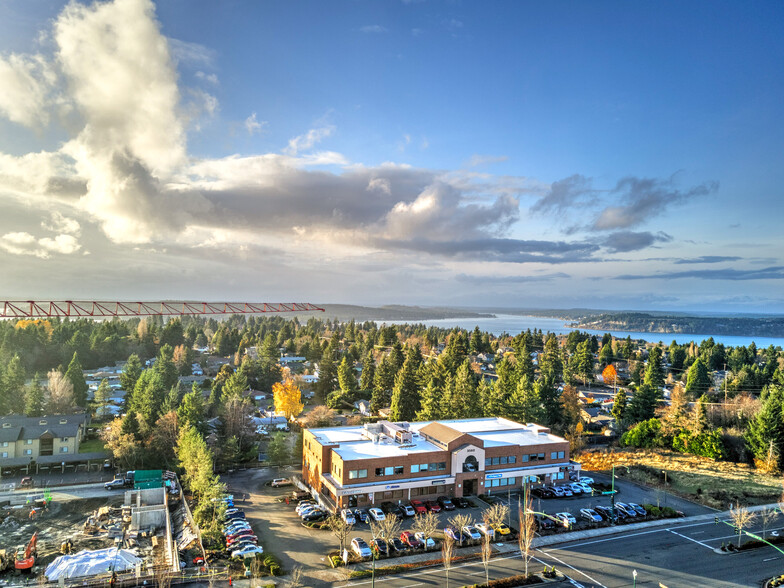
[{"x": 116, "y": 483}]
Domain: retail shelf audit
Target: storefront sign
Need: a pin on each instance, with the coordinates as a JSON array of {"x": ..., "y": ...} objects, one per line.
[
  {"x": 391, "y": 487},
  {"x": 493, "y": 476},
  {"x": 438, "y": 482}
]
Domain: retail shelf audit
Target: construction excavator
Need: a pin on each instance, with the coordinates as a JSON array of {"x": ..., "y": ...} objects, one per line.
[{"x": 25, "y": 557}]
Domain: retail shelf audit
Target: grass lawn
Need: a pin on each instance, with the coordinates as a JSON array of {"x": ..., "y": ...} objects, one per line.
[
  {"x": 713, "y": 483},
  {"x": 92, "y": 446}
]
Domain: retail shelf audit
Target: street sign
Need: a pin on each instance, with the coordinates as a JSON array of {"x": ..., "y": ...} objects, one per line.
[{"x": 606, "y": 492}]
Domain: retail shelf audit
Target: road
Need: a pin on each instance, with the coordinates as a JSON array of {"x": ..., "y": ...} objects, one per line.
[
  {"x": 681, "y": 555},
  {"x": 61, "y": 493}
]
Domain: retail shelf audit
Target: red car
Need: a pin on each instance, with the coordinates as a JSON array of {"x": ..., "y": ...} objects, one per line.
[
  {"x": 240, "y": 539},
  {"x": 418, "y": 506},
  {"x": 433, "y": 506},
  {"x": 408, "y": 538},
  {"x": 241, "y": 533}
]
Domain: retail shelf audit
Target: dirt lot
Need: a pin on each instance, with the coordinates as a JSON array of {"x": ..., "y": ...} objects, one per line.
[
  {"x": 716, "y": 484},
  {"x": 57, "y": 523}
]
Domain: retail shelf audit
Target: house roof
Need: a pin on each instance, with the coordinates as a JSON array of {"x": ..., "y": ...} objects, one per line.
[
  {"x": 65, "y": 425},
  {"x": 441, "y": 432}
]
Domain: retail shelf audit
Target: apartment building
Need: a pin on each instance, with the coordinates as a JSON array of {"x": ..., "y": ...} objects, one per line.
[
  {"x": 52, "y": 439},
  {"x": 396, "y": 462}
]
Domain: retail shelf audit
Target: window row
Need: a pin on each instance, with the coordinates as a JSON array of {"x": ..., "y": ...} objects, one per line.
[
  {"x": 357, "y": 474},
  {"x": 390, "y": 471},
  {"x": 500, "y": 482},
  {"x": 534, "y": 457},
  {"x": 503, "y": 460},
  {"x": 557, "y": 455},
  {"x": 428, "y": 467}
]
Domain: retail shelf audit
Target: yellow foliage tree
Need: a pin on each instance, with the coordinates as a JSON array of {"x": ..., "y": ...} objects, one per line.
[
  {"x": 609, "y": 374},
  {"x": 288, "y": 398}
]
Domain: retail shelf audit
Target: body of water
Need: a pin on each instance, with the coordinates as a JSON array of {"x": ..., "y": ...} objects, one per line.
[{"x": 514, "y": 324}]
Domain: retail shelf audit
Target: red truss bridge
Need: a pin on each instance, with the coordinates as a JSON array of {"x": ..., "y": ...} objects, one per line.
[{"x": 85, "y": 309}]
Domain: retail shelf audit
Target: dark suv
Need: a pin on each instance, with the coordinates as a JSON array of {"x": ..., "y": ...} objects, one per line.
[
  {"x": 389, "y": 508},
  {"x": 445, "y": 503}
]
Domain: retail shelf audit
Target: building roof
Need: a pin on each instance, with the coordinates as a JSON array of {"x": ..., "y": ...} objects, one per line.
[
  {"x": 353, "y": 443},
  {"x": 17, "y": 427}
]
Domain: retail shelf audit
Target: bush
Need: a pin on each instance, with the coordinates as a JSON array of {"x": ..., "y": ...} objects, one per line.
[
  {"x": 646, "y": 434},
  {"x": 275, "y": 570},
  {"x": 335, "y": 561}
]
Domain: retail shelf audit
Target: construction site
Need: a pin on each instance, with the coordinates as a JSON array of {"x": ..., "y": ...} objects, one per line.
[{"x": 144, "y": 533}]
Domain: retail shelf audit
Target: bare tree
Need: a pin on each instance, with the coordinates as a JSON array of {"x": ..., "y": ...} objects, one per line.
[
  {"x": 295, "y": 580},
  {"x": 340, "y": 529},
  {"x": 767, "y": 516},
  {"x": 486, "y": 553},
  {"x": 460, "y": 521},
  {"x": 61, "y": 394},
  {"x": 320, "y": 416},
  {"x": 390, "y": 527},
  {"x": 447, "y": 550},
  {"x": 426, "y": 524},
  {"x": 741, "y": 517},
  {"x": 496, "y": 515},
  {"x": 527, "y": 531}
]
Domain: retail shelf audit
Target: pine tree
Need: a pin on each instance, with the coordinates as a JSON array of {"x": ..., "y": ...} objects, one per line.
[
  {"x": 701, "y": 423},
  {"x": 697, "y": 380},
  {"x": 75, "y": 376},
  {"x": 583, "y": 361},
  {"x": 130, "y": 375},
  {"x": 644, "y": 403},
  {"x": 525, "y": 365},
  {"x": 433, "y": 394},
  {"x": 191, "y": 410},
  {"x": 405, "y": 396},
  {"x": 620, "y": 407},
  {"x": 34, "y": 397},
  {"x": 102, "y": 396},
  {"x": 552, "y": 410},
  {"x": 130, "y": 425},
  {"x": 368, "y": 371},
  {"x": 347, "y": 379},
  {"x": 463, "y": 397},
  {"x": 765, "y": 434},
  {"x": 524, "y": 405},
  {"x": 383, "y": 382},
  {"x": 328, "y": 371},
  {"x": 165, "y": 367},
  {"x": 396, "y": 356},
  {"x": 550, "y": 364},
  {"x": 502, "y": 390},
  {"x": 654, "y": 374}
]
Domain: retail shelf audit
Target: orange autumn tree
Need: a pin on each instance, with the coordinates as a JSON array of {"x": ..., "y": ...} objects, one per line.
[
  {"x": 288, "y": 398},
  {"x": 609, "y": 374}
]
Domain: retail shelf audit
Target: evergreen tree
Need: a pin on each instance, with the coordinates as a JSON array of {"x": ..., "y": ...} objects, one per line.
[
  {"x": 462, "y": 397},
  {"x": 550, "y": 364},
  {"x": 698, "y": 379},
  {"x": 383, "y": 382},
  {"x": 34, "y": 397},
  {"x": 102, "y": 396},
  {"x": 654, "y": 373},
  {"x": 75, "y": 376},
  {"x": 525, "y": 365},
  {"x": 130, "y": 425},
  {"x": 455, "y": 352},
  {"x": 701, "y": 423},
  {"x": 347, "y": 379},
  {"x": 433, "y": 394},
  {"x": 328, "y": 370},
  {"x": 765, "y": 434},
  {"x": 502, "y": 390},
  {"x": 235, "y": 386},
  {"x": 644, "y": 403},
  {"x": 368, "y": 372},
  {"x": 475, "y": 343},
  {"x": 619, "y": 408},
  {"x": 130, "y": 375},
  {"x": 606, "y": 355},
  {"x": 552, "y": 410},
  {"x": 583, "y": 361},
  {"x": 405, "y": 395},
  {"x": 524, "y": 405},
  {"x": 166, "y": 368},
  {"x": 396, "y": 356},
  {"x": 191, "y": 411}
]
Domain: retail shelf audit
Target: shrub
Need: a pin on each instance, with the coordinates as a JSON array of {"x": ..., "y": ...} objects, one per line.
[
  {"x": 646, "y": 434},
  {"x": 275, "y": 570}
]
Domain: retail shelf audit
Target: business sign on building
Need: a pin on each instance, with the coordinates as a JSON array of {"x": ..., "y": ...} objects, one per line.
[
  {"x": 391, "y": 487},
  {"x": 437, "y": 482},
  {"x": 493, "y": 476}
]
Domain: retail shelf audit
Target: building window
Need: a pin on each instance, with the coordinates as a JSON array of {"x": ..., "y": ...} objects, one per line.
[
  {"x": 399, "y": 470},
  {"x": 422, "y": 467},
  {"x": 553, "y": 455},
  {"x": 415, "y": 468},
  {"x": 525, "y": 458},
  {"x": 28, "y": 452},
  {"x": 28, "y": 441},
  {"x": 64, "y": 450},
  {"x": 512, "y": 459},
  {"x": 357, "y": 474},
  {"x": 561, "y": 455},
  {"x": 469, "y": 465},
  {"x": 5, "y": 443},
  {"x": 5, "y": 454},
  {"x": 64, "y": 440},
  {"x": 442, "y": 465}
]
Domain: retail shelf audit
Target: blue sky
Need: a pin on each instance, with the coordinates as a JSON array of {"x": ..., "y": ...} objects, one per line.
[{"x": 595, "y": 154}]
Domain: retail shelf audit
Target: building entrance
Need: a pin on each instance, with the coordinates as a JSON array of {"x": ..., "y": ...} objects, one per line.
[{"x": 469, "y": 487}]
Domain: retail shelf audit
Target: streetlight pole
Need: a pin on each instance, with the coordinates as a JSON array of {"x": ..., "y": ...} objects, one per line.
[{"x": 634, "y": 575}]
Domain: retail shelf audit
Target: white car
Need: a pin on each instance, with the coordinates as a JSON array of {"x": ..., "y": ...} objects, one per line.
[
  {"x": 586, "y": 480},
  {"x": 361, "y": 548},
  {"x": 582, "y": 486},
  {"x": 567, "y": 519},
  {"x": 590, "y": 514},
  {"x": 246, "y": 551},
  {"x": 348, "y": 517},
  {"x": 408, "y": 510},
  {"x": 471, "y": 532},
  {"x": 303, "y": 505},
  {"x": 485, "y": 529},
  {"x": 429, "y": 544},
  {"x": 278, "y": 482},
  {"x": 377, "y": 514},
  {"x": 576, "y": 488}
]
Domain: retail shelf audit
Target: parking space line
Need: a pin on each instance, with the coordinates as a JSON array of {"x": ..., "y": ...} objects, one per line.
[
  {"x": 562, "y": 562},
  {"x": 690, "y": 539}
]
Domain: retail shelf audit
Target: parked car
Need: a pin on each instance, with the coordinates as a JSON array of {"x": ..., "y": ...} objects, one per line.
[
  {"x": 248, "y": 550},
  {"x": 429, "y": 543},
  {"x": 315, "y": 515},
  {"x": 418, "y": 506},
  {"x": 567, "y": 492},
  {"x": 604, "y": 512},
  {"x": 397, "y": 545},
  {"x": 576, "y": 488},
  {"x": 591, "y": 515},
  {"x": 240, "y": 533},
  {"x": 407, "y": 537},
  {"x": 361, "y": 548},
  {"x": 543, "y": 492},
  {"x": 461, "y": 502},
  {"x": 241, "y": 545},
  {"x": 502, "y": 529},
  {"x": 27, "y": 482},
  {"x": 278, "y": 482},
  {"x": 567, "y": 519},
  {"x": 445, "y": 503},
  {"x": 377, "y": 514},
  {"x": 454, "y": 534},
  {"x": 304, "y": 504},
  {"x": 626, "y": 509},
  {"x": 470, "y": 532},
  {"x": 558, "y": 491},
  {"x": 640, "y": 510},
  {"x": 543, "y": 523},
  {"x": 390, "y": 508},
  {"x": 242, "y": 539},
  {"x": 379, "y": 547},
  {"x": 231, "y": 529},
  {"x": 361, "y": 515},
  {"x": 433, "y": 506},
  {"x": 348, "y": 516},
  {"x": 485, "y": 529},
  {"x": 585, "y": 487},
  {"x": 408, "y": 510},
  {"x": 586, "y": 480}
]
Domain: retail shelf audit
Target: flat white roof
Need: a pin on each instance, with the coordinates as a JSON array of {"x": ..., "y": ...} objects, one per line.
[{"x": 494, "y": 432}]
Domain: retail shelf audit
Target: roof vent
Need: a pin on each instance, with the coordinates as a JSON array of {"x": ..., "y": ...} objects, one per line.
[
  {"x": 63, "y": 421},
  {"x": 42, "y": 422}
]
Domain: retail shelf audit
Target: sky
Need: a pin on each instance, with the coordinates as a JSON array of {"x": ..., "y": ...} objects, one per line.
[{"x": 616, "y": 155}]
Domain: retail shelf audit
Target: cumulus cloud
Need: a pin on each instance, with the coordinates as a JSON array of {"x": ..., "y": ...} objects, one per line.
[
  {"x": 381, "y": 185},
  {"x": 308, "y": 140},
  {"x": 23, "y": 243},
  {"x": 58, "y": 223},
  {"x": 26, "y": 82}
]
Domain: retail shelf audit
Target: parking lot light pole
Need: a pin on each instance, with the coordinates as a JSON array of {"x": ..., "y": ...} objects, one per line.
[{"x": 634, "y": 575}]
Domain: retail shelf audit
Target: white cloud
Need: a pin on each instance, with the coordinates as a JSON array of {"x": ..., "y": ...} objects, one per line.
[
  {"x": 192, "y": 54},
  {"x": 381, "y": 185},
  {"x": 61, "y": 224},
  {"x": 26, "y": 82},
  {"x": 254, "y": 126},
  {"x": 19, "y": 238},
  {"x": 308, "y": 140},
  {"x": 64, "y": 244},
  {"x": 22, "y": 243},
  {"x": 211, "y": 78}
]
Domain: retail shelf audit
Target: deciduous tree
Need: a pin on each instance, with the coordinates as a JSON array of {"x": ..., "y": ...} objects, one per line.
[{"x": 288, "y": 398}]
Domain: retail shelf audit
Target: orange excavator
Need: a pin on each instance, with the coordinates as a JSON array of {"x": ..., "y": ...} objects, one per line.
[{"x": 25, "y": 557}]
